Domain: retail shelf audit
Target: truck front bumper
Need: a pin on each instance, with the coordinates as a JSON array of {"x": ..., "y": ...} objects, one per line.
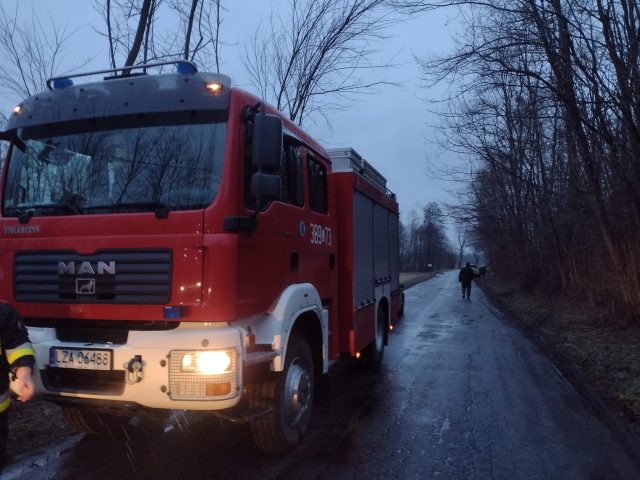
[{"x": 193, "y": 367}]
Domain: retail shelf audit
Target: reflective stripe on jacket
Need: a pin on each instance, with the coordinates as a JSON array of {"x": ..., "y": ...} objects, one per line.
[
  {"x": 15, "y": 349},
  {"x": 5, "y": 400},
  {"x": 15, "y": 354}
]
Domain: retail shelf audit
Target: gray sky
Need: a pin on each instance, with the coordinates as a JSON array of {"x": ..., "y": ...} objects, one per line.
[{"x": 390, "y": 129}]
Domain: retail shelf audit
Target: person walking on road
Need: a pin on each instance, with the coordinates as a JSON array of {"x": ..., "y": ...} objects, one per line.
[
  {"x": 16, "y": 359},
  {"x": 465, "y": 277}
]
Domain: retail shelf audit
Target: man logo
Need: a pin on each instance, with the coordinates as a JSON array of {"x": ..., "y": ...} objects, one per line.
[
  {"x": 86, "y": 286},
  {"x": 85, "y": 268}
]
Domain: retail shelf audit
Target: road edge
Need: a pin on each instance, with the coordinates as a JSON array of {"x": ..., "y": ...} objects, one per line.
[{"x": 626, "y": 432}]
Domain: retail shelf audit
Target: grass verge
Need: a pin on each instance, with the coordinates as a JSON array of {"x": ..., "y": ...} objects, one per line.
[
  {"x": 607, "y": 357},
  {"x": 409, "y": 279}
]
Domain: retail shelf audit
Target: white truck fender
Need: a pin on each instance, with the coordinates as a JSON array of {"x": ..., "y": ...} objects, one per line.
[{"x": 274, "y": 326}]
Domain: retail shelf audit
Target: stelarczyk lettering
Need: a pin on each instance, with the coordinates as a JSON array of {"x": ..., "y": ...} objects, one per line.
[{"x": 16, "y": 230}]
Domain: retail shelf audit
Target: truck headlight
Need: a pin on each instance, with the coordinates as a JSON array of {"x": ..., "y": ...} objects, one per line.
[
  {"x": 203, "y": 374},
  {"x": 207, "y": 363}
]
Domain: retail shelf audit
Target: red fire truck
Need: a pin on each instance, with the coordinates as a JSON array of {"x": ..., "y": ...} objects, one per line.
[{"x": 174, "y": 243}]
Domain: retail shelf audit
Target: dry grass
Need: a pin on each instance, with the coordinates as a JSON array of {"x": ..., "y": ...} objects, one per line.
[
  {"x": 608, "y": 356},
  {"x": 409, "y": 279}
]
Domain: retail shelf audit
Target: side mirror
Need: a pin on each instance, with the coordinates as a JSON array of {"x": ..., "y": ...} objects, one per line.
[
  {"x": 267, "y": 142},
  {"x": 265, "y": 186}
]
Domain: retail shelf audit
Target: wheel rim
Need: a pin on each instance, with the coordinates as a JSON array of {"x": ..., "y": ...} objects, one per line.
[{"x": 297, "y": 392}]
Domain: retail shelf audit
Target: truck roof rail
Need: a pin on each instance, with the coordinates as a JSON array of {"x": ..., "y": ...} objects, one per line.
[
  {"x": 182, "y": 66},
  {"x": 347, "y": 159}
]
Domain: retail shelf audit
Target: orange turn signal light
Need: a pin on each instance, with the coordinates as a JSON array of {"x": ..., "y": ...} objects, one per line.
[{"x": 218, "y": 389}]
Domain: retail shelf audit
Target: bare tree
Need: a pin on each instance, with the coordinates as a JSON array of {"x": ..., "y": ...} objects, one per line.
[
  {"x": 133, "y": 36},
  {"x": 129, "y": 27},
  {"x": 461, "y": 237},
  {"x": 546, "y": 105},
  {"x": 315, "y": 55},
  {"x": 424, "y": 243},
  {"x": 32, "y": 53},
  {"x": 200, "y": 23},
  {"x": 143, "y": 25}
]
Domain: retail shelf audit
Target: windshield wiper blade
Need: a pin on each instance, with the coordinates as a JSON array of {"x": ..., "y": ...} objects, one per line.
[
  {"x": 65, "y": 206},
  {"x": 26, "y": 212},
  {"x": 160, "y": 209}
]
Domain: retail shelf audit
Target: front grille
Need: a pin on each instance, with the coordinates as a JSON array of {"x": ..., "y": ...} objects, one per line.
[
  {"x": 97, "y": 331},
  {"x": 93, "y": 335},
  {"x": 103, "y": 382},
  {"x": 141, "y": 277}
]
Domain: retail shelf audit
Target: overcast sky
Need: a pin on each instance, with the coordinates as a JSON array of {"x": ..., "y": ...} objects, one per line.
[{"x": 390, "y": 129}]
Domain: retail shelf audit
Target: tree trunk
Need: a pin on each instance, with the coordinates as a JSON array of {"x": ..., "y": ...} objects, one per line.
[{"x": 137, "y": 41}]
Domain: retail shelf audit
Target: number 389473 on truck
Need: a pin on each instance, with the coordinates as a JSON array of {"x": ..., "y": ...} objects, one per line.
[{"x": 175, "y": 243}]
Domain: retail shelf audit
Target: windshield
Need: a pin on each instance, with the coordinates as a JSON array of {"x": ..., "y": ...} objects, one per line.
[{"x": 139, "y": 168}]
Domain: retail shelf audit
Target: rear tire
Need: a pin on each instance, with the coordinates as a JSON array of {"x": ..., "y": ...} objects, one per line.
[
  {"x": 289, "y": 399},
  {"x": 84, "y": 420},
  {"x": 401, "y": 309},
  {"x": 374, "y": 352}
]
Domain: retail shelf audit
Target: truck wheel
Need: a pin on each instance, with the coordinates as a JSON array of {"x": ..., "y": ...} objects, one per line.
[
  {"x": 374, "y": 352},
  {"x": 289, "y": 398},
  {"x": 87, "y": 421}
]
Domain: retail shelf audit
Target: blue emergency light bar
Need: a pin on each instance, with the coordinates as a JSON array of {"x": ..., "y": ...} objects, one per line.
[{"x": 183, "y": 67}]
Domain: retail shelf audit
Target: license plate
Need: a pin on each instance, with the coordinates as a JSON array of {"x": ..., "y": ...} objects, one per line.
[{"x": 82, "y": 358}]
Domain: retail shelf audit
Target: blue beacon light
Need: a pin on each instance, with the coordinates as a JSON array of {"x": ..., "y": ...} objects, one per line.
[
  {"x": 61, "y": 83},
  {"x": 173, "y": 312},
  {"x": 185, "y": 69}
]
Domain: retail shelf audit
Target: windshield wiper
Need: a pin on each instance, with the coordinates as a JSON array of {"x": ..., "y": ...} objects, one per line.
[
  {"x": 28, "y": 211},
  {"x": 160, "y": 209}
]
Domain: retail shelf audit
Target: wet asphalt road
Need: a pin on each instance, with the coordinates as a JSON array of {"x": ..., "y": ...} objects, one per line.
[{"x": 460, "y": 395}]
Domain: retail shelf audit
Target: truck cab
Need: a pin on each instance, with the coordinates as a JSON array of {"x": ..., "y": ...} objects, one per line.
[{"x": 172, "y": 242}]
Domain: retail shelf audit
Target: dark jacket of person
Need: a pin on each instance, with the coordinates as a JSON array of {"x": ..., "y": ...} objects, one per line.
[
  {"x": 16, "y": 351},
  {"x": 466, "y": 274}
]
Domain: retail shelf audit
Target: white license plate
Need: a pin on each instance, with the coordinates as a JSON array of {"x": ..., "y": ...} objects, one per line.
[{"x": 84, "y": 358}]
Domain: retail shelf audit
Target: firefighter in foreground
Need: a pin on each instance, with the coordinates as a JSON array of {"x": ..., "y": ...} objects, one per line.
[{"x": 17, "y": 359}]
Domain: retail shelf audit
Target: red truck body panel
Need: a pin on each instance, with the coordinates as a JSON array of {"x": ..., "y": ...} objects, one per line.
[{"x": 359, "y": 201}]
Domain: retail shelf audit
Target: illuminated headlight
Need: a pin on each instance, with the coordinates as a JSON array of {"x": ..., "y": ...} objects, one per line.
[
  {"x": 203, "y": 375},
  {"x": 207, "y": 363}
]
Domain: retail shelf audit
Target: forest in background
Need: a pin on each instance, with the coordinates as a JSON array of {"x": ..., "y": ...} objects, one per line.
[
  {"x": 424, "y": 245},
  {"x": 545, "y": 104}
]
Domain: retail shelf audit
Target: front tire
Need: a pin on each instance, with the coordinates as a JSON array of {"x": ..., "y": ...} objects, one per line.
[{"x": 289, "y": 399}]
